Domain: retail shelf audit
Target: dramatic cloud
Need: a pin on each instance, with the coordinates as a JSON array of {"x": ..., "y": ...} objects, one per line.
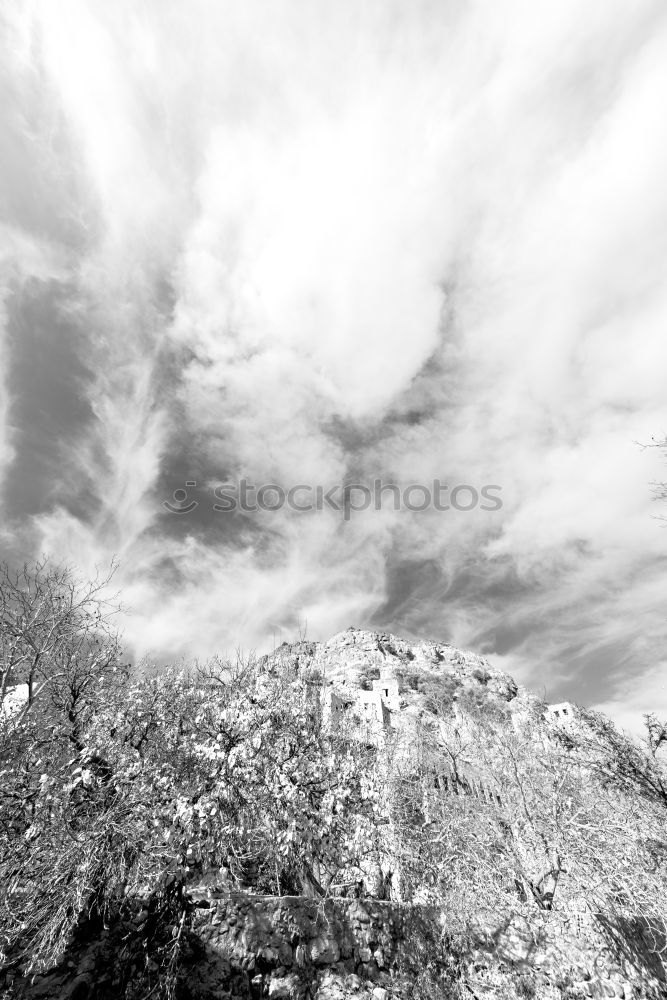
[{"x": 317, "y": 244}]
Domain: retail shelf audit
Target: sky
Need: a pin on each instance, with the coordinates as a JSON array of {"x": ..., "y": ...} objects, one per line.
[{"x": 305, "y": 243}]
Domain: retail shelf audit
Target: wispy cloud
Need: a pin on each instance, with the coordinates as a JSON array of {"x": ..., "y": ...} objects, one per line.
[{"x": 307, "y": 243}]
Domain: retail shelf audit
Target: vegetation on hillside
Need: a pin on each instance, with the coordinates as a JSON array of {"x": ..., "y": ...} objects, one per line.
[{"x": 116, "y": 783}]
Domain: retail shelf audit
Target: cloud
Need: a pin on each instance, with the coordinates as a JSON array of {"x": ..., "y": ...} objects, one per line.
[
  {"x": 24, "y": 260},
  {"x": 321, "y": 243}
]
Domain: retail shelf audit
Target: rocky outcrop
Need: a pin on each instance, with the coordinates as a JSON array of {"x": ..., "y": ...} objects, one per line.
[{"x": 350, "y": 653}]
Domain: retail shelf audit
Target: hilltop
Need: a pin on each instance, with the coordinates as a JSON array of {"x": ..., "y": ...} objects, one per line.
[{"x": 431, "y": 676}]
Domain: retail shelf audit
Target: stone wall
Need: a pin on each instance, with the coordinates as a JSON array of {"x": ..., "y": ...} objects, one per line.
[
  {"x": 238, "y": 945},
  {"x": 295, "y": 947},
  {"x": 291, "y": 946}
]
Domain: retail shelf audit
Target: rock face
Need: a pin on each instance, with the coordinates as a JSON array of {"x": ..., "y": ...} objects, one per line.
[
  {"x": 356, "y": 651},
  {"x": 381, "y": 678}
]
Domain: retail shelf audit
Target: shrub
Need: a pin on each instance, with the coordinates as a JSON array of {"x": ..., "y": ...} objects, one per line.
[
  {"x": 481, "y": 676},
  {"x": 440, "y": 692},
  {"x": 409, "y": 678},
  {"x": 366, "y": 677}
]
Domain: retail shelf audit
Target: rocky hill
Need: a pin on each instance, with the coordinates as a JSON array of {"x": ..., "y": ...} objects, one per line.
[
  {"x": 353, "y": 657},
  {"x": 399, "y": 685},
  {"x": 363, "y": 817}
]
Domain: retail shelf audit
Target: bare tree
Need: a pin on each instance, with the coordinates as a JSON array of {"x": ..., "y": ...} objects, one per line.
[
  {"x": 56, "y": 631},
  {"x": 490, "y": 815},
  {"x": 656, "y": 733},
  {"x": 619, "y": 761}
]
